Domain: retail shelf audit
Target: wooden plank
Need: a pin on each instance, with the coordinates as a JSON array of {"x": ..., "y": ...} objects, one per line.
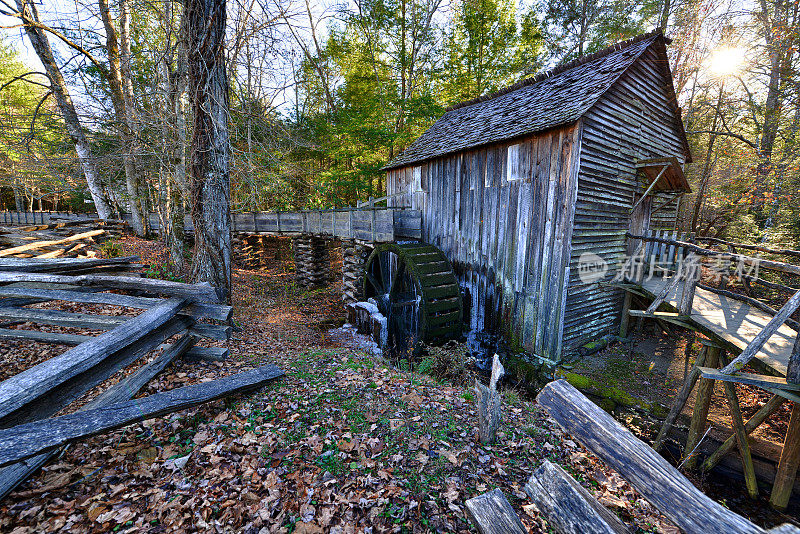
[
  {"x": 762, "y": 381},
  {"x": 30, "y": 439},
  {"x": 211, "y": 331},
  {"x": 491, "y": 513},
  {"x": 32, "y": 383},
  {"x": 32, "y": 265},
  {"x": 43, "y": 337},
  {"x": 567, "y": 506},
  {"x": 12, "y": 475},
  {"x": 652, "y": 476},
  {"x": 62, "y": 318},
  {"x": 203, "y": 292},
  {"x": 198, "y": 310},
  {"x": 734, "y": 324},
  {"x": 208, "y": 354},
  {"x": 754, "y": 347},
  {"x": 736, "y": 258},
  {"x": 41, "y": 244}
]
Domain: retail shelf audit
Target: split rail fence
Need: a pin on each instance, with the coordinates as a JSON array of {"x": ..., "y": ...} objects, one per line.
[{"x": 31, "y": 433}]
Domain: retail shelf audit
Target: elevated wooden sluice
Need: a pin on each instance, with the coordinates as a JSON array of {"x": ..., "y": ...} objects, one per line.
[{"x": 371, "y": 224}]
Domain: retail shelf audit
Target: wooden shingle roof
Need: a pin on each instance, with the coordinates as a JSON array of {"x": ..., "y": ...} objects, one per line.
[{"x": 548, "y": 100}]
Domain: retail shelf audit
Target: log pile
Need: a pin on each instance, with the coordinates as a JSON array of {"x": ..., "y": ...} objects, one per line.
[
  {"x": 252, "y": 251},
  {"x": 312, "y": 261},
  {"x": 354, "y": 257},
  {"x": 29, "y": 401},
  {"x": 67, "y": 239}
]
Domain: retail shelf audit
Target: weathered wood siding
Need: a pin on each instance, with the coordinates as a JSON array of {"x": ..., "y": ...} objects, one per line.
[
  {"x": 503, "y": 216},
  {"x": 633, "y": 120}
]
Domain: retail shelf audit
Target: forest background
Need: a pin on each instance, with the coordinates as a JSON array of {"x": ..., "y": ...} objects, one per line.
[{"x": 322, "y": 96}]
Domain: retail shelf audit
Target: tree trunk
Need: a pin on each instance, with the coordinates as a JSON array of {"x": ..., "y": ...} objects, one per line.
[
  {"x": 179, "y": 190},
  {"x": 210, "y": 179},
  {"x": 40, "y": 44},
  {"x": 115, "y": 83},
  {"x": 131, "y": 119},
  {"x": 18, "y": 202}
]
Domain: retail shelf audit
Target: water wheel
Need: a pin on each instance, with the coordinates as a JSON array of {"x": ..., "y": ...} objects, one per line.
[{"x": 416, "y": 290}]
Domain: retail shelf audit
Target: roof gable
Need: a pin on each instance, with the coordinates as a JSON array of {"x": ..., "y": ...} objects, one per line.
[{"x": 553, "y": 99}]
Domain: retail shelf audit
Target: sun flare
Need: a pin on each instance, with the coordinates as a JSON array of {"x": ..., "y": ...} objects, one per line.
[{"x": 726, "y": 61}]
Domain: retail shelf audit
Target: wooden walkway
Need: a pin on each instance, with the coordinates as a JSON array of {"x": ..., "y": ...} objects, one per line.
[
  {"x": 374, "y": 225},
  {"x": 733, "y": 322}
]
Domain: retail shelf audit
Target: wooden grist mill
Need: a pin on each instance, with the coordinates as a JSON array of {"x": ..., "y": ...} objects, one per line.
[{"x": 514, "y": 188}]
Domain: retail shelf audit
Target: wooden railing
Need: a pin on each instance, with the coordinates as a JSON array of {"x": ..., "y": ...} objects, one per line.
[{"x": 705, "y": 368}]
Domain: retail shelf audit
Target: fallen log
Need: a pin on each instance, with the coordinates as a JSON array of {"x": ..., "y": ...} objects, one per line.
[
  {"x": 23, "y": 441},
  {"x": 568, "y": 506},
  {"x": 652, "y": 476},
  {"x": 491, "y": 513},
  {"x": 202, "y": 292},
  {"x": 32, "y": 383},
  {"x": 13, "y": 475}
]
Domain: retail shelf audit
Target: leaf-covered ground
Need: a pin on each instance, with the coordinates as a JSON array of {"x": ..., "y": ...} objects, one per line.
[{"x": 344, "y": 442}]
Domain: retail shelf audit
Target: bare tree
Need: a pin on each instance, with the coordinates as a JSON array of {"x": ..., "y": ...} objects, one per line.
[
  {"x": 36, "y": 31},
  {"x": 119, "y": 81},
  {"x": 210, "y": 152},
  {"x": 172, "y": 172}
]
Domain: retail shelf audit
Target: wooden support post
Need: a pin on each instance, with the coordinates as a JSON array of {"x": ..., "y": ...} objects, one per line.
[
  {"x": 691, "y": 268},
  {"x": 741, "y": 440},
  {"x": 754, "y": 422},
  {"x": 679, "y": 402},
  {"x": 625, "y": 320},
  {"x": 793, "y": 368},
  {"x": 790, "y": 454},
  {"x": 787, "y": 466},
  {"x": 702, "y": 401}
]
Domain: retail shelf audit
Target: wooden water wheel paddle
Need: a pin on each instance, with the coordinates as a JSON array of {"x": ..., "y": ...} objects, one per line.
[{"x": 415, "y": 289}]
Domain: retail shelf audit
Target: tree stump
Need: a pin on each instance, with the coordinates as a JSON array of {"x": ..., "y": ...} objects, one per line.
[{"x": 489, "y": 404}]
